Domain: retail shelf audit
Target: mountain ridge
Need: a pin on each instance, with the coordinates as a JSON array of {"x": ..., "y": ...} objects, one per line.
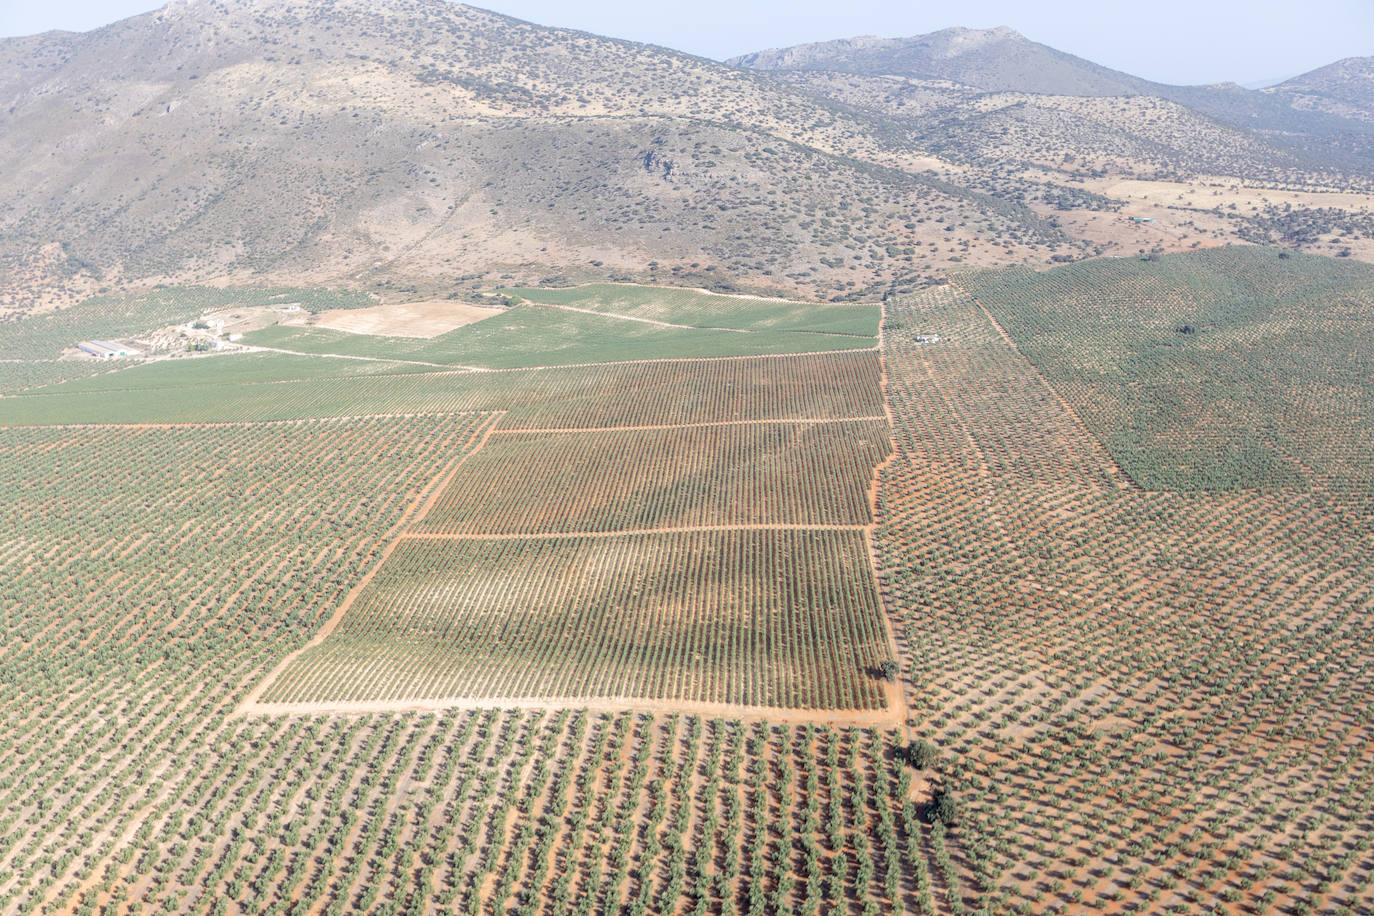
[
  {"x": 1002, "y": 60},
  {"x": 423, "y": 147}
]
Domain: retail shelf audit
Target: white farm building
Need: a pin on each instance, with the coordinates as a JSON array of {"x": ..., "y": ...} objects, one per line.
[{"x": 104, "y": 349}]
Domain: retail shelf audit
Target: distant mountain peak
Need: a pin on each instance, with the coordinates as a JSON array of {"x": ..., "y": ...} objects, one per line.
[{"x": 995, "y": 60}]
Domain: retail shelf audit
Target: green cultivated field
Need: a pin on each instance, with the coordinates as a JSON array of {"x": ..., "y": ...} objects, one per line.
[
  {"x": 761, "y": 618},
  {"x": 617, "y": 479},
  {"x": 531, "y": 335},
  {"x": 675, "y": 392},
  {"x": 1230, "y": 368},
  {"x": 702, "y": 309},
  {"x": 228, "y": 370}
]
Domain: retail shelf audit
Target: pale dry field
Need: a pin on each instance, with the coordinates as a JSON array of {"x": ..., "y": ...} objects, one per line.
[
  {"x": 1209, "y": 192},
  {"x": 1116, "y": 234},
  {"x": 401, "y": 319}
]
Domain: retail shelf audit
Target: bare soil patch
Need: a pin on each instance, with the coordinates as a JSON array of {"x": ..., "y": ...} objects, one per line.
[{"x": 401, "y": 319}]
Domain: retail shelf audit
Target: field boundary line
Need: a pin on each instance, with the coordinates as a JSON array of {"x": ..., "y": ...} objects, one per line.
[
  {"x": 421, "y": 504},
  {"x": 695, "y": 327},
  {"x": 779, "y": 714},
  {"x": 691, "y": 359},
  {"x": 452, "y": 367},
  {"x": 200, "y": 424},
  {"x": 1123, "y": 480},
  {"x": 815, "y": 421},
  {"x": 896, "y": 689},
  {"x": 622, "y": 317},
  {"x": 627, "y": 532},
  {"x": 455, "y": 369}
]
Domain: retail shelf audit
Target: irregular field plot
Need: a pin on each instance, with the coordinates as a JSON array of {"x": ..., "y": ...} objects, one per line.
[
  {"x": 702, "y": 309},
  {"x": 405, "y": 319},
  {"x": 608, "y": 480},
  {"x": 816, "y": 386},
  {"x": 535, "y": 335},
  {"x": 763, "y": 618}
]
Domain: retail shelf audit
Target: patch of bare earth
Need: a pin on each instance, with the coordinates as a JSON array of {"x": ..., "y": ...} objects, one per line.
[{"x": 402, "y": 319}]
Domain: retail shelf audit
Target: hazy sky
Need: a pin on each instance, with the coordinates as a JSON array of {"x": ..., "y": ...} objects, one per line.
[{"x": 1175, "y": 41}]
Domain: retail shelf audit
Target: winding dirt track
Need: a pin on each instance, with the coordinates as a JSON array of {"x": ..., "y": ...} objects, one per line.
[{"x": 661, "y": 324}]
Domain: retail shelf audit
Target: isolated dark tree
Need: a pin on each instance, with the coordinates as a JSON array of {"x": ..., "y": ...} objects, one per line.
[
  {"x": 889, "y": 668},
  {"x": 944, "y": 806},
  {"x": 921, "y": 753}
]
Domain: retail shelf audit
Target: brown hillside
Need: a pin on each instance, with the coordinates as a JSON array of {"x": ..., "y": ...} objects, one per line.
[{"x": 418, "y": 144}]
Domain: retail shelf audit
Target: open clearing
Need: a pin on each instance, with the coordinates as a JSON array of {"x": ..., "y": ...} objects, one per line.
[
  {"x": 403, "y": 319},
  {"x": 1207, "y": 193}
]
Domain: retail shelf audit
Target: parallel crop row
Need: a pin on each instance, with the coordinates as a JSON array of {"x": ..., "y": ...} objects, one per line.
[
  {"x": 146, "y": 575},
  {"x": 1245, "y": 369},
  {"x": 1148, "y": 702},
  {"x": 816, "y": 386},
  {"x": 762, "y": 617},
  {"x": 612, "y": 480},
  {"x": 490, "y": 812}
]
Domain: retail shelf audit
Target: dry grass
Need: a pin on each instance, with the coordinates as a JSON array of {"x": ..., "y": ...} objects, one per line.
[{"x": 402, "y": 319}]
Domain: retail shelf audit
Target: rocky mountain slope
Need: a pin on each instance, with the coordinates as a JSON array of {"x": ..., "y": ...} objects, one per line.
[
  {"x": 423, "y": 145},
  {"x": 1334, "y": 132},
  {"x": 1345, "y": 89},
  {"x": 424, "y": 148},
  {"x": 999, "y": 59}
]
